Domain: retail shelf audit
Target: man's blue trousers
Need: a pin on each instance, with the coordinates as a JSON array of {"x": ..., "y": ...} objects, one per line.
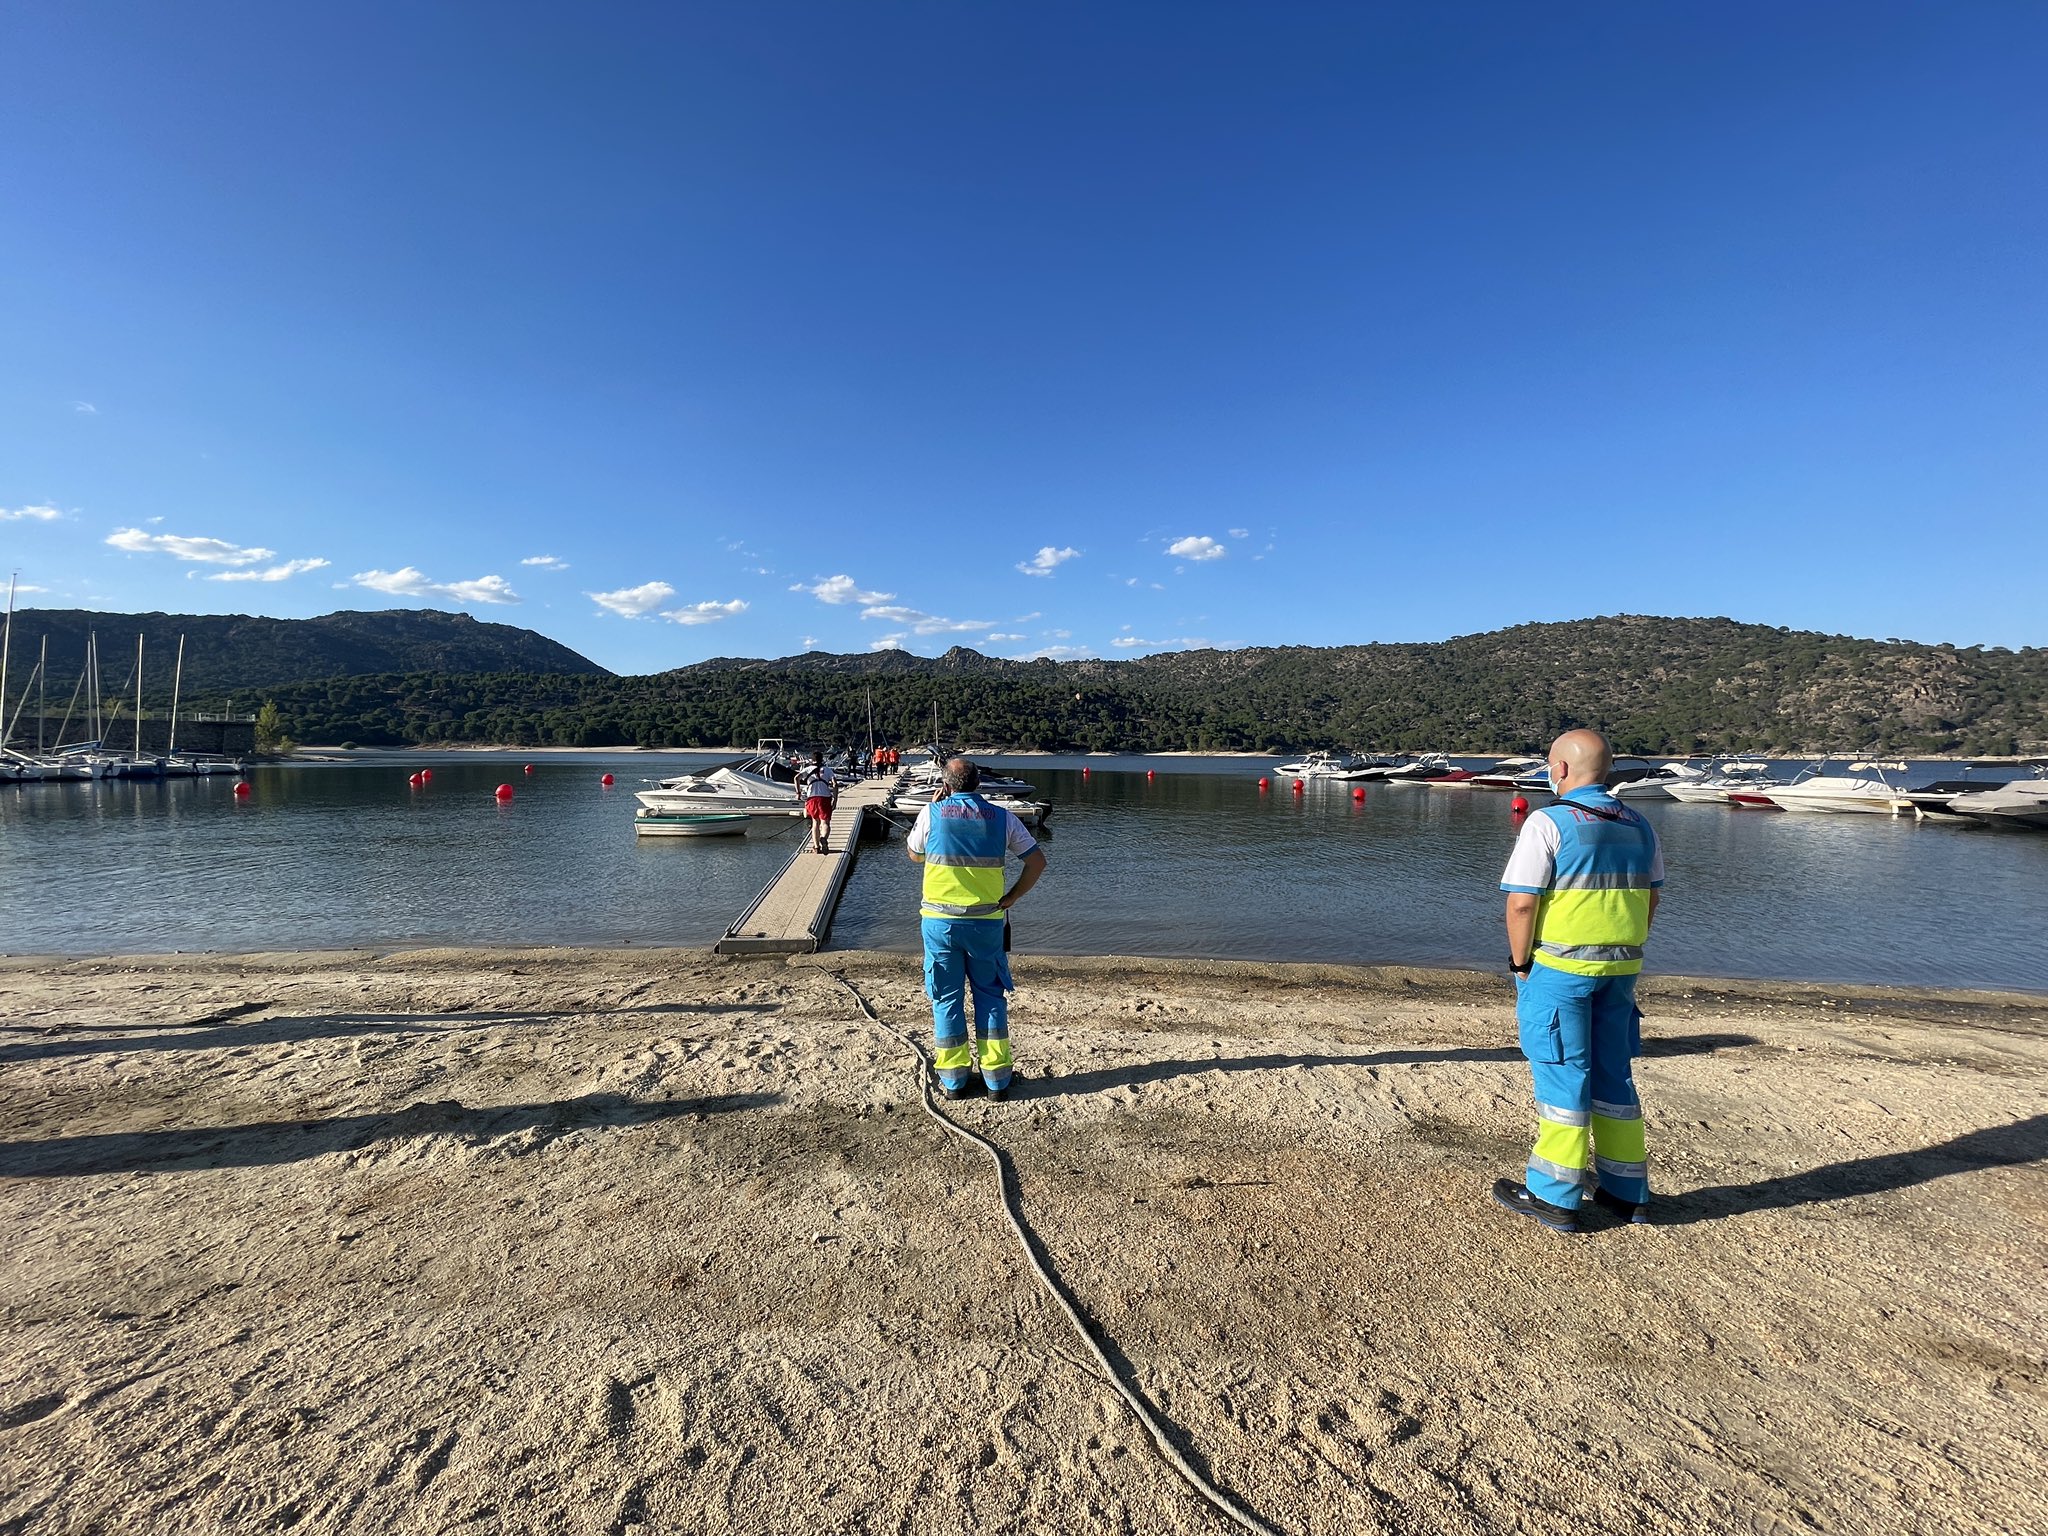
[
  {"x": 1581, "y": 1035},
  {"x": 964, "y": 955}
]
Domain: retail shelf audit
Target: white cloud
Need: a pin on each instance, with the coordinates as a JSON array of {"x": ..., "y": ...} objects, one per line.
[
  {"x": 1184, "y": 643},
  {"x": 886, "y": 643},
  {"x": 1006, "y": 639},
  {"x": 1059, "y": 634},
  {"x": 29, "y": 514},
  {"x": 923, "y": 623},
  {"x": 1196, "y": 546},
  {"x": 85, "y": 408},
  {"x": 841, "y": 589},
  {"x": 205, "y": 551},
  {"x": 1240, "y": 533},
  {"x": 408, "y": 582},
  {"x": 809, "y": 642},
  {"x": 1046, "y": 561},
  {"x": 1125, "y": 642},
  {"x": 546, "y": 562},
  {"x": 632, "y": 602},
  {"x": 26, "y": 587},
  {"x": 1057, "y": 653},
  {"x": 283, "y": 572},
  {"x": 704, "y": 613}
]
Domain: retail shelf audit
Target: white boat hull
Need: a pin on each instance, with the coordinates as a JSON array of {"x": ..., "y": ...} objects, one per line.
[{"x": 725, "y": 824}]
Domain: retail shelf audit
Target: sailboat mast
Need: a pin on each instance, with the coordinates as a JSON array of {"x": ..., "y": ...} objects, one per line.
[
  {"x": 177, "y": 686},
  {"x": 6, "y": 640},
  {"x": 42, "y": 693},
  {"x": 138, "y": 697},
  {"x": 92, "y": 672}
]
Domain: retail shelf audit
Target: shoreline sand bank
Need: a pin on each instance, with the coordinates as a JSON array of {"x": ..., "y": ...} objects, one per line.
[{"x": 585, "y": 1240}]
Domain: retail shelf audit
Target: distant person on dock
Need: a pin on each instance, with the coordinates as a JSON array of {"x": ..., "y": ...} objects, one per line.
[
  {"x": 820, "y": 789},
  {"x": 961, "y": 841},
  {"x": 1582, "y": 889}
]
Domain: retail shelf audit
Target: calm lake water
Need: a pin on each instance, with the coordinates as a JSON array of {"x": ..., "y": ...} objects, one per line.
[{"x": 1194, "y": 862}]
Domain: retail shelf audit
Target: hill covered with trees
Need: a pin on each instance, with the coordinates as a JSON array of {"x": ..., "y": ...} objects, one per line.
[
  {"x": 1655, "y": 685},
  {"x": 239, "y": 654}
]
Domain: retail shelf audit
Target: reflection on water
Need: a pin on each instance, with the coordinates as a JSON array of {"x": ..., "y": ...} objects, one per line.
[
  {"x": 1202, "y": 863},
  {"x": 327, "y": 857},
  {"x": 1193, "y": 862}
]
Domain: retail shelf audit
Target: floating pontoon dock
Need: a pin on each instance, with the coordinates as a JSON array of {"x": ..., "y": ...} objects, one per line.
[{"x": 794, "y": 910}]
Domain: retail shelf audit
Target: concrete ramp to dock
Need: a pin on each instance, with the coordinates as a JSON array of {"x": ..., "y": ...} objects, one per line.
[{"x": 794, "y": 911}]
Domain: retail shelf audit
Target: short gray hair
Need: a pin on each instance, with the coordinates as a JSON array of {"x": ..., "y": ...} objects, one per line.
[{"x": 962, "y": 776}]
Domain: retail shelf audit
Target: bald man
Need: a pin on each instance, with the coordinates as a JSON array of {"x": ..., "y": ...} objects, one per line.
[{"x": 1582, "y": 889}]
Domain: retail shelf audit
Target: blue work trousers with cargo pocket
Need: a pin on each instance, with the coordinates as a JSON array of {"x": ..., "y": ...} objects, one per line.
[
  {"x": 964, "y": 955},
  {"x": 1581, "y": 1035}
]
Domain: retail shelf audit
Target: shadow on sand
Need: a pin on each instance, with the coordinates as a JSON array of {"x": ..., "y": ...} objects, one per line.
[
  {"x": 1159, "y": 1071},
  {"x": 269, "y": 1142},
  {"x": 1998, "y": 1146},
  {"x": 208, "y": 1034}
]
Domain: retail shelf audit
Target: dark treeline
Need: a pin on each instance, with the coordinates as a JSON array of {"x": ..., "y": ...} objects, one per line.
[
  {"x": 229, "y": 656},
  {"x": 1661, "y": 686}
]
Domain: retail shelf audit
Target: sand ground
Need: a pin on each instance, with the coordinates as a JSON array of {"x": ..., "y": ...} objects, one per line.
[{"x": 614, "y": 1242}]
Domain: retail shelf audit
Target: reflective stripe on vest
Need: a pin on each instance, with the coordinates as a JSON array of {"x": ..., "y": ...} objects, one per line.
[
  {"x": 963, "y": 858},
  {"x": 1594, "y": 917}
]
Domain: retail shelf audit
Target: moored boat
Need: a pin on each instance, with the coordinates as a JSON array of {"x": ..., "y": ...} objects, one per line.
[
  {"x": 690, "y": 823},
  {"x": 1505, "y": 774},
  {"x": 2021, "y": 804},
  {"x": 1864, "y": 790}
]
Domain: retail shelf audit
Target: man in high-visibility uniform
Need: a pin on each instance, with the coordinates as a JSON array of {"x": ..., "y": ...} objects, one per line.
[
  {"x": 1582, "y": 889},
  {"x": 961, "y": 841}
]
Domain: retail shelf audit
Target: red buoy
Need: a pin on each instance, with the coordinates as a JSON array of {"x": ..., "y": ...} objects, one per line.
[
  {"x": 426, "y": 775},
  {"x": 1265, "y": 784},
  {"x": 415, "y": 781},
  {"x": 1297, "y": 786},
  {"x": 1518, "y": 805},
  {"x": 1358, "y": 794},
  {"x": 529, "y": 767},
  {"x": 1151, "y": 773},
  {"x": 241, "y": 786},
  {"x": 1084, "y": 772},
  {"x": 504, "y": 791},
  {"x": 607, "y": 781}
]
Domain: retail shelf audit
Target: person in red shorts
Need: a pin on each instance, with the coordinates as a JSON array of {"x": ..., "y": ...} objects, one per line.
[{"x": 819, "y": 791}]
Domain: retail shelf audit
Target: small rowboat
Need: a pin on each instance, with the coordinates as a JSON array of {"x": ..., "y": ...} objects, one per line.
[{"x": 690, "y": 823}]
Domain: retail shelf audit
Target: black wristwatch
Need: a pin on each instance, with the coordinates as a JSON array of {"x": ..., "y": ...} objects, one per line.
[{"x": 1524, "y": 968}]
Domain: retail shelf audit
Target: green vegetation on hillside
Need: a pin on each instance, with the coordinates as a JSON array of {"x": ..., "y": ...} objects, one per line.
[
  {"x": 230, "y": 654},
  {"x": 1663, "y": 686}
]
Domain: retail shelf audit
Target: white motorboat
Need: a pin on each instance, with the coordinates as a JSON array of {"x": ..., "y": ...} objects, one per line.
[
  {"x": 770, "y": 760},
  {"x": 928, "y": 777},
  {"x": 2022, "y": 803},
  {"x": 690, "y": 823},
  {"x": 1659, "y": 784},
  {"x": 1712, "y": 788},
  {"x": 1505, "y": 773},
  {"x": 722, "y": 789},
  {"x": 1031, "y": 812},
  {"x": 1871, "y": 794},
  {"x": 1321, "y": 765},
  {"x": 1421, "y": 770}
]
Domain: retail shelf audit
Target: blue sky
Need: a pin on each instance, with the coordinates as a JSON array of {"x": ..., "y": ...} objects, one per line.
[{"x": 689, "y": 330}]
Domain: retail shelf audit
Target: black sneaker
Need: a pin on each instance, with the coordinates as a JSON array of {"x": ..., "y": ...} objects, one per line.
[
  {"x": 1516, "y": 1197},
  {"x": 1634, "y": 1215},
  {"x": 972, "y": 1088}
]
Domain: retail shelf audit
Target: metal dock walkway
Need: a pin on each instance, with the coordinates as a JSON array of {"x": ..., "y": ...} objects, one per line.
[{"x": 794, "y": 910}]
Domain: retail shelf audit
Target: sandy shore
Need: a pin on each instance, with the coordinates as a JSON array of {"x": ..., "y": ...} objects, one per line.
[{"x": 606, "y": 1242}]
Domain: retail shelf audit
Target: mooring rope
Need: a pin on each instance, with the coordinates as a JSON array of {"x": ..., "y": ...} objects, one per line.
[{"x": 1217, "y": 1499}]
